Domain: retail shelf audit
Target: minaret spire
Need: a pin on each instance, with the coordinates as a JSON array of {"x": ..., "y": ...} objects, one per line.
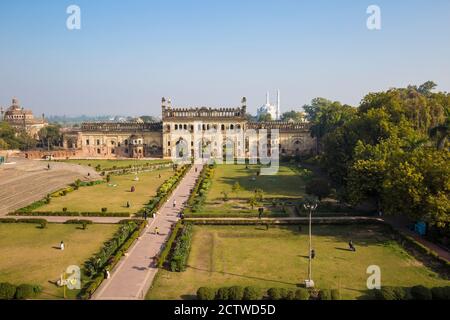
[
  {"x": 278, "y": 105},
  {"x": 267, "y": 98}
]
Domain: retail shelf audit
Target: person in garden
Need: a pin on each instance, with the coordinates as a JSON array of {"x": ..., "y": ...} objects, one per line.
[
  {"x": 351, "y": 246},
  {"x": 156, "y": 230},
  {"x": 174, "y": 203},
  {"x": 61, "y": 245},
  {"x": 313, "y": 254}
]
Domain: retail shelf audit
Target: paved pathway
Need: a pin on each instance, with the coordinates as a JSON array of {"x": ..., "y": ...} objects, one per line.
[
  {"x": 134, "y": 274},
  {"x": 401, "y": 225}
]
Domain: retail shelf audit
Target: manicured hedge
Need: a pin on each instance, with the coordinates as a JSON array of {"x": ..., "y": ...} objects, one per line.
[
  {"x": 164, "y": 191},
  {"x": 70, "y": 214},
  {"x": 414, "y": 293},
  {"x": 192, "y": 214},
  {"x": 96, "y": 263},
  {"x": 206, "y": 293},
  {"x": 182, "y": 249},
  {"x": 253, "y": 293},
  {"x": 198, "y": 194},
  {"x": 21, "y": 292},
  {"x": 163, "y": 257},
  {"x": 129, "y": 231}
]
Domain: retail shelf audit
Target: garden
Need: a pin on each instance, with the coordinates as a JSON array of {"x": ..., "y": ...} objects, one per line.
[
  {"x": 241, "y": 191},
  {"x": 273, "y": 261},
  {"x": 107, "y": 165},
  {"x": 126, "y": 194},
  {"x": 31, "y": 256}
]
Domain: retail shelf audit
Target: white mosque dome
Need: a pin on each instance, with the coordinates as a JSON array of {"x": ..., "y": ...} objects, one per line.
[{"x": 268, "y": 108}]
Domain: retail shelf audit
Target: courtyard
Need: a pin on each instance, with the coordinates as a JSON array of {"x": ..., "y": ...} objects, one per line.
[
  {"x": 280, "y": 191},
  {"x": 278, "y": 257},
  {"x": 112, "y": 195},
  {"x": 30, "y": 255}
]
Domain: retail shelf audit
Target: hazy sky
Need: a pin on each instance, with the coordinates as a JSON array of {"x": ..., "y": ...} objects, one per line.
[{"x": 128, "y": 54}]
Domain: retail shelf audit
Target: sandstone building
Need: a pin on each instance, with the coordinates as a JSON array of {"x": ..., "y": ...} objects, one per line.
[
  {"x": 23, "y": 120},
  {"x": 185, "y": 131}
]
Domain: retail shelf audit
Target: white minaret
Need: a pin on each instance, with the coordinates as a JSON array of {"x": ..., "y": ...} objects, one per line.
[
  {"x": 278, "y": 105},
  {"x": 267, "y": 98}
]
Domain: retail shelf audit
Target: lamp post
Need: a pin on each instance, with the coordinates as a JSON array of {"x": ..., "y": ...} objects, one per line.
[{"x": 310, "y": 206}]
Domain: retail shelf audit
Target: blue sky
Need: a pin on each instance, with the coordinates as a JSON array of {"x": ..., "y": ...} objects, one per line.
[{"x": 128, "y": 54}]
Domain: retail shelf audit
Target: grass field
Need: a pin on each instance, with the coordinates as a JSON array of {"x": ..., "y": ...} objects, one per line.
[
  {"x": 92, "y": 199},
  {"x": 30, "y": 254},
  {"x": 286, "y": 184},
  {"x": 109, "y": 164},
  {"x": 250, "y": 255}
]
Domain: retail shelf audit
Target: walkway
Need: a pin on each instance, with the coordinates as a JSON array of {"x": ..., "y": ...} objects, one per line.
[
  {"x": 132, "y": 277},
  {"x": 401, "y": 225}
]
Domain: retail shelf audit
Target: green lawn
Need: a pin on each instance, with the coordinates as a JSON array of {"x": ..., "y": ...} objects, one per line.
[
  {"x": 106, "y": 195},
  {"x": 30, "y": 255},
  {"x": 250, "y": 255},
  {"x": 109, "y": 164},
  {"x": 285, "y": 184}
]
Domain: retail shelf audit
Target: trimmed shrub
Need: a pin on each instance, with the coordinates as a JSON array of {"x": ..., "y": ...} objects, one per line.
[
  {"x": 27, "y": 291},
  {"x": 182, "y": 249},
  {"x": 325, "y": 294},
  {"x": 7, "y": 291},
  {"x": 421, "y": 293},
  {"x": 276, "y": 293},
  {"x": 206, "y": 293},
  {"x": 335, "y": 294},
  {"x": 392, "y": 293},
  {"x": 170, "y": 243},
  {"x": 104, "y": 210},
  {"x": 43, "y": 224},
  {"x": 7, "y": 220},
  {"x": 290, "y": 295},
  {"x": 302, "y": 294},
  {"x": 30, "y": 220},
  {"x": 236, "y": 293},
  {"x": 252, "y": 293},
  {"x": 441, "y": 293},
  {"x": 223, "y": 293}
]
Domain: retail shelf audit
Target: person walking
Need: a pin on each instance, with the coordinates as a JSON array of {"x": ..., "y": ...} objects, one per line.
[
  {"x": 174, "y": 203},
  {"x": 351, "y": 246},
  {"x": 156, "y": 231},
  {"x": 313, "y": 254},
  {"x": 61, "y": 246}
]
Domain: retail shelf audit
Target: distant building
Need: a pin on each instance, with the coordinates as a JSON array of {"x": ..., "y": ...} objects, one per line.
[
  {"x": 134, "y": 139},
  {"x": 268, "y": 108},
  {"x": 23, "y": 120}
]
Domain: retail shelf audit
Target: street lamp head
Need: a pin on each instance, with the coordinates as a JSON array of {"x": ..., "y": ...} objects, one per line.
[{"x": 310, "y": 205}]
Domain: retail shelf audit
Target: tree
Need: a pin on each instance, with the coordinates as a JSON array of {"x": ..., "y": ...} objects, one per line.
[
  {"x": 427, "y": 87},
  {"x": 318, "y": 187},
  {"x": 253, "y": 202},
  {"x": 293, "y": 115},
  {"x": 225, "y": 196},
  {"x": 265, "y": 117},
  {"x": 236, "y": 187},
  {"x": 148, "y": 119},
  {"x": 50, "y": 136},
  {"x": 326, "y": 116}
]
